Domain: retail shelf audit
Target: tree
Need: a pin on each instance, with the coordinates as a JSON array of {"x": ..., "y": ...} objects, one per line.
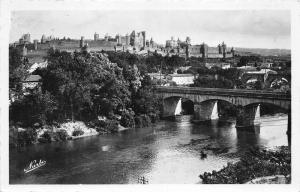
[
  {"x": 257, "y": 85},
  {"x": 244, "y": 60},
  {"x": 86, "y": 85},
  {"x": 288, "y": 64},
  {"x": 15, "y": 58},
  {"x": 33, "y": 108},
  {"x": 213, "y": 83},
  {"x": 17, "y": 69},
  {"x": 144, "y": 100}
]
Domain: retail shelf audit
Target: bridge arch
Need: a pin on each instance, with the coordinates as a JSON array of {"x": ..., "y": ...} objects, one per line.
[
  {"x": 197, "y": 99},
  {"x": 284, "y": 105},
  {"x": 176, "y": 105},
  {"x": 265, "y": 106}
]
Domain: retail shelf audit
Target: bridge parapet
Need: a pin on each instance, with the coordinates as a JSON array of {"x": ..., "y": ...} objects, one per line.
[{"x": 225, "y": 92}]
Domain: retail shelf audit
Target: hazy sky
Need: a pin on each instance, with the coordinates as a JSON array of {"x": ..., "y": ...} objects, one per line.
[{"x": 240, "y": 28}]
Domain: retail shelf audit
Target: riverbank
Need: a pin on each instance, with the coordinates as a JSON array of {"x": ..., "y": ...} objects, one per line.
[
  {"x": 256, "y": 166},
  {"x": 20, "y": 136},
  {"x": 49, "y": 133}
]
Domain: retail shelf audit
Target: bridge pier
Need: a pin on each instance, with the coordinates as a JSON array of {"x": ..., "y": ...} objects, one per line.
[
  {"x": 248, "y": 117},
  {"x": 172, "y": 107},
  {"x": 289, "y": 124},
  {"x": 205, "y": 111},
  {"x": 289, "y": 129}
]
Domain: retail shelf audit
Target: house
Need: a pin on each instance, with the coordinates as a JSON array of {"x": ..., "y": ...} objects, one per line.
[
  {"x": 220, "y": 65},
  {"x": 31, "y": 83},
  {"x": 156, "y": 76},
  {"x": 253, "y": 64},
  {"x": 261, "y": 75},
  {"x": 182, "y": 79},
  {"x": 267, "y": 65}
]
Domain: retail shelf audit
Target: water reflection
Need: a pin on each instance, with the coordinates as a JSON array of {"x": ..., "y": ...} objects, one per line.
[
  {"x": 168, "y": 152},
  {"x": 247, "y": 138}
]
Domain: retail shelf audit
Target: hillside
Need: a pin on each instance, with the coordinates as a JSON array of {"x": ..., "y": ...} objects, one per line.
[{"x": 264, "y": 52}]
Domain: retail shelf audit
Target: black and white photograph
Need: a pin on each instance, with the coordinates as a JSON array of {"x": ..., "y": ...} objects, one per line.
[{"x": 149, "y": 96}]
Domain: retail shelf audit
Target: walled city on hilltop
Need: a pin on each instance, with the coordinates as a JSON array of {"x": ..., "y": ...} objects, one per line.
[{"x": 135, "y": 42}]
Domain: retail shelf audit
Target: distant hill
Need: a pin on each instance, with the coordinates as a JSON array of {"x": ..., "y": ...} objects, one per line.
[{"x": 264, "y": 52}]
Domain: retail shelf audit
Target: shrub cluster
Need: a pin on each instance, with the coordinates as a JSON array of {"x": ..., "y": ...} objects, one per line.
[
  {"x": 142, "y": 121},
  {"x": 77, "y": 132},
  {"x": 254, "y": 163},
  {"x": 26, "y": 137}
]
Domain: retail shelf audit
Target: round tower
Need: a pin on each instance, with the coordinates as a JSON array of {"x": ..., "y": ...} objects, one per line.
[
  {"x": 203, "y": 50},
  {"x": 188, "y": 40},
  {"x": 233, "y": 51},
  {"x": 220, "y": 49},
  {"x": 43, "y": 39},
  {"x": 187, "y": 52},
  {"x": 224, "y": 49},
  {"x": 96, "y": 36},
  {"x": 144, "y": 38},
  {"x": 35, "y": 43},
  {"x": 85, "y": 47},
  {"x": 24, "y": 51},
  {"x": 151, "y": 42},
  {"x": 82, "y": 42}
]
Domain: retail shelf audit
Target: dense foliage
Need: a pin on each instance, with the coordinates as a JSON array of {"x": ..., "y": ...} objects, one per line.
[
  {"x": 244, "y": 60},
  {"x": 218, "y": 78},
  {"x": 17, "y": 69},
  {"x": 84, "y": 86},
  {"x": 33, "y": 108},
  {"x": 150, "y": 64},
  {"x": 255, "y": 163}
]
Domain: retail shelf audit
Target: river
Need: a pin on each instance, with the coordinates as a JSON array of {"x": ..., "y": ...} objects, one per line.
[{"x": 162, "y": 153}]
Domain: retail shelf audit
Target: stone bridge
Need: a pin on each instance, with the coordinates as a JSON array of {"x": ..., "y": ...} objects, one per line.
[{"x": 205, "y": 100}]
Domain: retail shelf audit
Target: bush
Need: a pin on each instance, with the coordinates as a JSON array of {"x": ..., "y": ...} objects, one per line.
[
  {"x": 60, "y": 135},
  {"x": 179, "y": 71},
  {"x": 27, "y": 137},
  {"x": 33, "y": 109},
  {"x": 142, "y": 121},
  {"x": 255, "y": 163},
  {"x": 154, "y": 117},
  {"x": 100, "y": 126},
  {"x": 46, "y": 137},
  {"x": 127, "y": 120},
  {"x": 105, "y": 126},
  {"x": 189, "y": 71},
  {"x": 138, "y": 121},
  {"x": 112, "y": 125},
  {"x": 43, "y": 140},
  {"x": 209, "y": 83},
  {"x": 97, "y": 123},
  {"x": 77, "y": 132},
  {"x": 173, "y": 83}
]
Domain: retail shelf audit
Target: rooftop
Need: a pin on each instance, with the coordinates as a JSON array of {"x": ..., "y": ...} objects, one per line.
[
  {"x": 33, "y": 78},
  {"x": 182, "y": 75}
]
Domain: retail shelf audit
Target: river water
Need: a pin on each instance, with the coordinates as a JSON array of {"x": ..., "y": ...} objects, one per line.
[{"x": 168, "y": 152}]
